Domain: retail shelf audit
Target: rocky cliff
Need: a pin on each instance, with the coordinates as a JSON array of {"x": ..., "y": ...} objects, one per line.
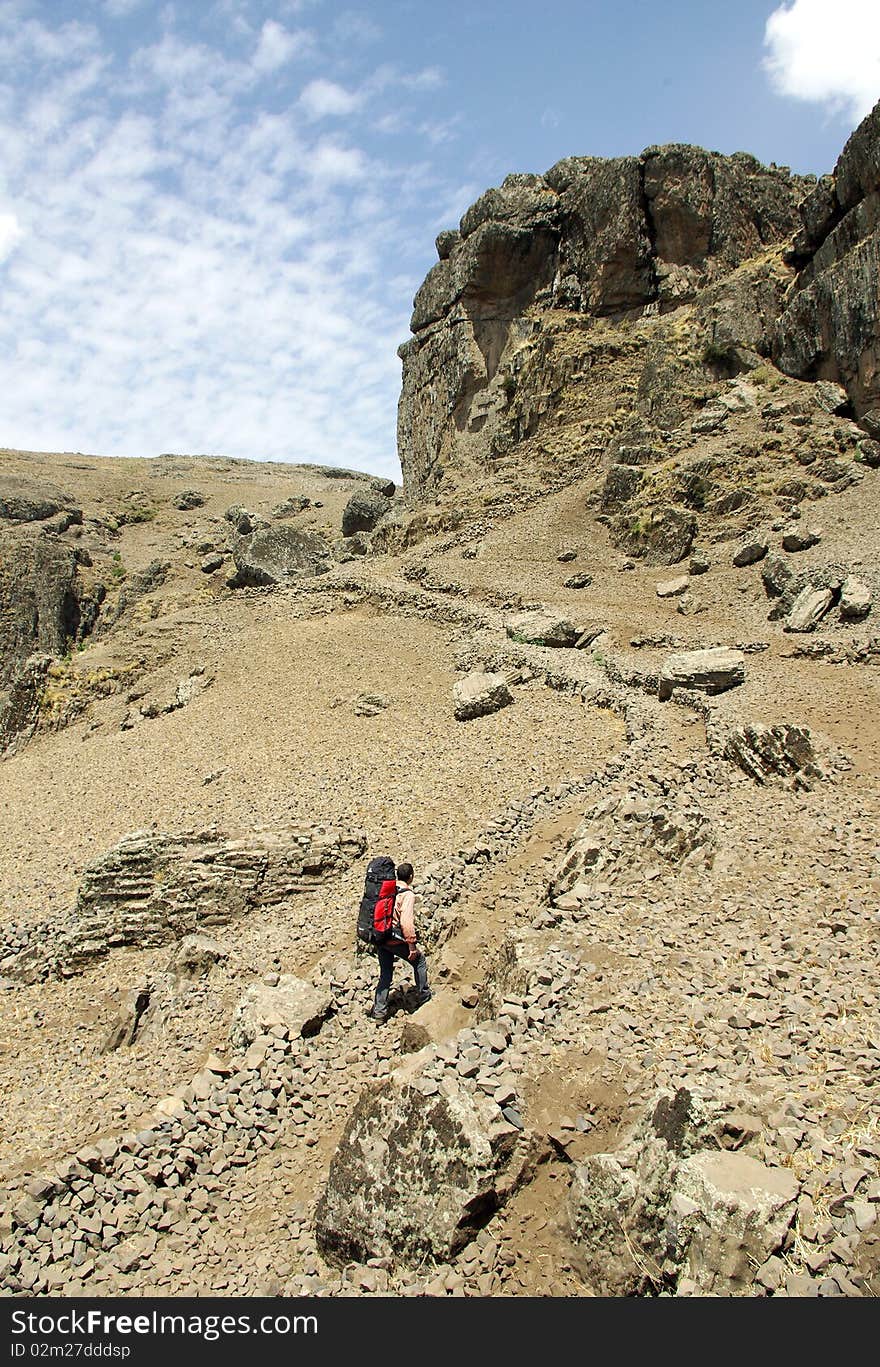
[{"x": 597, "y": 306}]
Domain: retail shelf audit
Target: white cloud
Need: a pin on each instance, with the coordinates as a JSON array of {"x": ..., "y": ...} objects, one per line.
[
  {"x": 277, "y": 45},
  {"x": 430, "y": 78},
  {"x": 827, "y": 53},
  {"x": 322, "y": 99},
  {"x": 11, "y": 233}
]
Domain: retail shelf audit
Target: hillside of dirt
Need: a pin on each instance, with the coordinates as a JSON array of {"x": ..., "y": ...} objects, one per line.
[{"x": 605, "y": 671}]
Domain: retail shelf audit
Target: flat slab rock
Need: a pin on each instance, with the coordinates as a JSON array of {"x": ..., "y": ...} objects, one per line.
[
  {"x": 293, "y": 1005},
  {"x": 479, "y": 694},
  {"x": 673, "y": 588},
  {"x": 710, "y": 671}
]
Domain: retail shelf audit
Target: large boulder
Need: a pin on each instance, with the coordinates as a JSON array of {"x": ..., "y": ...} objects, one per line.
[
  {"x": 363, "y": 510},
  {"x": 292, "y": 1007},
  {"x": 710, "y": 671},
  {"x": 808, "y": 609},
  {"x": 478, "y": 694},
  {"x": 278, "y": 555},
  {"x": 626, "y": 836},
  {"x": 661, "y": 536},
  {"x": 855, "y": 599},
  {"x": 542, "y": 627},
  {"x": 419, "y": 1169},
  {"x": 668, "y": 1209},
  {"x": 729, "y": 1213},
  {"x": 767, "y": 752}
]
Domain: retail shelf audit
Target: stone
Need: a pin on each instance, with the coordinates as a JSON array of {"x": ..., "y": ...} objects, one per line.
[
  {"x": 673, "y": 588},
  {"x": 364, "y": 510},
  {"x": 869, "y": 451},
  {"x": 776, "y": 575},
  {"x": 734, "y": 1214},
  {"x": 289, "y": 507},
  {"x": 709, "y": 671},
  {"x": 195, "y": 956},
  {"x": 298, "y": 1007},
  {"x": 749, "y": 552},
  {"x": 243, "y": 521},
  {"x": 855, "y": 599},
  {"x": 699, "y": 564},
  {"x": 187, "y": 499},
  {"x": 797, "y": 538},
  {"x": 542, "y": 627},
  {"x": 212, "y": 563},
  {"x": 278, "y": 555},
  {"x": 578, "y": 581},
  {"x": 831, "y": 397},
  {"x": 765, "y": 752},
  {"x": 413, "y": 1175},
  {"x": 478, "y": 694},
  {"x": 808, "y": 609}
]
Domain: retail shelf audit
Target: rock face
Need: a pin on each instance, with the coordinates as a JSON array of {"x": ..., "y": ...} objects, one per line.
[
  {"x": 22, "y": 500},
  {"x": 154, "y": 888},
  {"x": 710, "y": 671},
  {"x": 602, "y": 237},
  {"x": 420, "y": 1167},
  {"x": 478, "y": 694},
  {"x": 278, "y": 555},
  {"x": 45, "y": 604},
  {"x": 20, "y": 711},
  {"x": 830, "y": 328}
]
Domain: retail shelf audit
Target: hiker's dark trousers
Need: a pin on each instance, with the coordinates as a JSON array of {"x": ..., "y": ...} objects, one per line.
[{"x": 387, "y": 954}]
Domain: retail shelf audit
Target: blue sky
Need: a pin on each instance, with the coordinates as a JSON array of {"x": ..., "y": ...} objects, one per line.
[{"x": 214, "y": 216}]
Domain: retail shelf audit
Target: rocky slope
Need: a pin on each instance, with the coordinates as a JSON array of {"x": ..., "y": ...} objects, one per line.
[{"x": 607, "y": 673}]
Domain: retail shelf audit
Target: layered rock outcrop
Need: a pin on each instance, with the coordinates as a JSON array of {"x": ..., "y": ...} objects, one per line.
[{"x": 153, "y": 888}]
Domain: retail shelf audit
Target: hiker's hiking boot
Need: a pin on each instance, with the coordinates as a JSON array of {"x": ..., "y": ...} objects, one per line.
[
  {"x": 424, "y": 997},
  {"x": 378, "y": 1015}
]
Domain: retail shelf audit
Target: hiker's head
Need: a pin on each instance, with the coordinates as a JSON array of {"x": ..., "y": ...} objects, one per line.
[{"x": 405, "y": 873}]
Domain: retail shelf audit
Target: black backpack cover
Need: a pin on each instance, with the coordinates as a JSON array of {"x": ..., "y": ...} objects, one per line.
[{"x": 379, "y": 870}]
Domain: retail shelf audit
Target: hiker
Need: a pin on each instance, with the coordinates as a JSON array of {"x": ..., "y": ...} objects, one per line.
[{"x": 401, "y": 944}]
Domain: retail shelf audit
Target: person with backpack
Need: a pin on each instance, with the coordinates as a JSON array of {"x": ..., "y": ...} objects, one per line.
[{"x": 399, "y": 942}]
